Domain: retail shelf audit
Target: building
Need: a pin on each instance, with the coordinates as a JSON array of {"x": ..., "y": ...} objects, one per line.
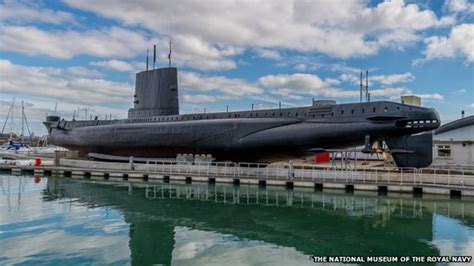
[
  {"x": 411, "y": 100},
  {"x": 453, "y": 143}
]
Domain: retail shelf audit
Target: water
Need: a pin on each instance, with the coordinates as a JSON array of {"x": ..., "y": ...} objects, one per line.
[{"x": 62, "y": 221}]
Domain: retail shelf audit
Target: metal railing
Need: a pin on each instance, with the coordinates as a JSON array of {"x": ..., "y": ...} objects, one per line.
[{"x": 400, "y": 176}]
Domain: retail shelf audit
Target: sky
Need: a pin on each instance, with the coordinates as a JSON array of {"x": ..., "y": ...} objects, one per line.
[{"x": 67, "y": 56}]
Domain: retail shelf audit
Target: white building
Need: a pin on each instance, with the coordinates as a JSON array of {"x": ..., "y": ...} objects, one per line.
[{"x": 453, "y": 143}]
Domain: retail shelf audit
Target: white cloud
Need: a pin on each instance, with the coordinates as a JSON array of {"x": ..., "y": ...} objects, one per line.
[
  {"x": 64, "y": 44},
  {"x": 460, "y": 42},
  {"x": 117, "y": 65},
  {"x": 32, "y": 11},
  {"x": 334, "y": 28},
  {"x": 188, "y": 50},
  {"x": 197, "y": 53},
  {"x": 394, "y": 78},
  {"x": 305, "y": 83},
  {"x": 312, "y": 85},
  {"x": 471, "y": 105},
  {"x": 431, "y": 96},
  {"x": 79, "y": 71},
  {"x": 55, "y": 84},
  {"x": 193, "y": 82},
  {"x": 198, "y": 98},
  {"x": 286, "y": 94},
  {"x": 350, "y": 78},
  {"x": 301, "y": 67},
  {"x": 383, "y": 80},
  {"x": 268, "y": 53},
  {"x": 331, "y": 81},
  {"x": 459, "y": 6}
]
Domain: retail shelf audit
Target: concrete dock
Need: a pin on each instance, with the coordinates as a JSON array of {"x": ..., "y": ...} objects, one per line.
[{"x": 419, "y": 181}]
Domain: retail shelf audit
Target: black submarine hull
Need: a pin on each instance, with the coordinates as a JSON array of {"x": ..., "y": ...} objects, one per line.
[
  {"x": 155, "y": 129},
  {"x": 239, "y": 140}
]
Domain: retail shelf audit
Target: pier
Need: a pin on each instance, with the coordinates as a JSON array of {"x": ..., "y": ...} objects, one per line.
[{"x": 402, "y": 180}]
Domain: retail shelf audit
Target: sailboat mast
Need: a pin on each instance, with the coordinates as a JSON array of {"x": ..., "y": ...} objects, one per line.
[
  {"x": 8, "y": 116},
  {"x": 22, "y": 120}
]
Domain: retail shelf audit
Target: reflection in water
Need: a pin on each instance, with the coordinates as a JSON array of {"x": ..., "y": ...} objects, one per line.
[{"x": 64, "y": 220}]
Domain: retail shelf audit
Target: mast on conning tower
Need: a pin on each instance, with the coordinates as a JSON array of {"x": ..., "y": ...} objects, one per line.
[
  {"x": 367, "y": 85},
  {"x": 154, "y": 55},
  {"x": 169, "y": 56},
  {"x": 361, "y": 86},
  {"x": 146, "y": 59}
]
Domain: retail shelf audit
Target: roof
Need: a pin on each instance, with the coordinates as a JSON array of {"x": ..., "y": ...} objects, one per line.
[{"x": 463, "y": 122}]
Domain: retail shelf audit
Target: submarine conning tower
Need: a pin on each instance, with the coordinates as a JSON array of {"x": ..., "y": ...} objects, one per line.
[{"x": 156, "y": 93}]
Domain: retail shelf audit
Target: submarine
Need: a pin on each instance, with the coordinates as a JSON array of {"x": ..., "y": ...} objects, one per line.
[{"x": 155, "y": 128}]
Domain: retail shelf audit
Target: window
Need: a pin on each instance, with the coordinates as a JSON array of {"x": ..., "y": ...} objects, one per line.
[
  {"x": 444, "y": 151},
  {"x": 373, "y": 109},
  {"x": 352, "y": 111},
  {"x": 363, "y": 110},
  {"x": 385, "y": 109},
  {"x": 398, "y": 108},
  {"x": 296, "y": 114},
  {"x": 342, "y": 112}
]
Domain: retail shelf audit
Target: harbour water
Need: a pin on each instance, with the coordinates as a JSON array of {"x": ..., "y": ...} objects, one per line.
[{"x": 62, "y": 221}]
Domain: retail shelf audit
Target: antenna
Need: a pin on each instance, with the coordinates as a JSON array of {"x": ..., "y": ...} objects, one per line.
[
  {"x": 367, "y": 85},
  {"x": 361, "y": 86},
  {"x": 169, "y": 56},
  {"x": 146, "y": 59},
  {"x": 154, "y": 55},
  {"x": 55, "y": 107}
]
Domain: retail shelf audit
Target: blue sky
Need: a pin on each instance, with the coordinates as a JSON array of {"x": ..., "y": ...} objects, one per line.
[{"x": 83, "y": 54}]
